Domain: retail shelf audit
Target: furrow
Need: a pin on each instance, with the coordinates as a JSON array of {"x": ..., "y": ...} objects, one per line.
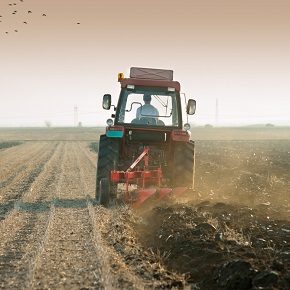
[
  {"x": 15, "y": 160},
  {"x": 22, "y": 183},
  {"x": 109, "y": 259},
  {"x": 68, "y": 253},
  {"x": 25, "y": 229}
]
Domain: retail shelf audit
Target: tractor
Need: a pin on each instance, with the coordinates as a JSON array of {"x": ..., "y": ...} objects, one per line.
[{"x": 146, "y": 154}]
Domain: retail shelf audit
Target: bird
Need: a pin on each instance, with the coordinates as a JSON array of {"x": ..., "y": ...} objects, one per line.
[
  {"x": 29, "y": 11},
  {"x": 16, "y": 30},
  {"x": 25, "y": 22},
  {"x": 43, "y": 14},
  {"x": 78, "y": 23}
]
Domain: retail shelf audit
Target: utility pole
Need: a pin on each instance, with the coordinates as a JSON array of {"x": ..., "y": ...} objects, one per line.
[
  {"x": 75, "y": 116},
  {"x": 216, "y": 113}
]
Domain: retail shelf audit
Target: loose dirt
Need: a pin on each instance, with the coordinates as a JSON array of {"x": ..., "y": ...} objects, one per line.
[{"x": 232, "y": 232}]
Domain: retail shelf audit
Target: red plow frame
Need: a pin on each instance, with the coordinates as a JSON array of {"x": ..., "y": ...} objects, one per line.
[{"x": 144, "y": 177}]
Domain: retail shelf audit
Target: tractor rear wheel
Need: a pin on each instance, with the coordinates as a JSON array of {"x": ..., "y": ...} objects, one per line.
[
  {"x": 108, "y": 157},
  {"x": 184, "y": 164},
  {"x": 103, "y": 193}
]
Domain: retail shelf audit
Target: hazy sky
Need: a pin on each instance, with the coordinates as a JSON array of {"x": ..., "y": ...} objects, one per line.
[{"x": 233, "y": 51}]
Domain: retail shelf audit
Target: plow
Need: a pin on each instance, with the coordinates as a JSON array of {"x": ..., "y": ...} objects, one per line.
[
  {"x": 147, "y": 147},
  {"x": 148, "y": 182}
]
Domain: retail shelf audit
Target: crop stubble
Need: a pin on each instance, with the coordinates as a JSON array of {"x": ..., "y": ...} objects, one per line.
[
  {"x": 53, "y": 236},
  {"x": 231, "y": 233}
]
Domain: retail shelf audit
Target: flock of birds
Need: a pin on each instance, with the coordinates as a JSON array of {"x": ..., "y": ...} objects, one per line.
[{"x": 15, "y": 12}]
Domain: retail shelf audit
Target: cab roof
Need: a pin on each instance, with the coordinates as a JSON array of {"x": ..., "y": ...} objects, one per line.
[{"x": 150, "y": 83}]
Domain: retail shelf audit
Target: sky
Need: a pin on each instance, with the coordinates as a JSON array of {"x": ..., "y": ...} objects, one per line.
[{"x": 231, "y": 56}]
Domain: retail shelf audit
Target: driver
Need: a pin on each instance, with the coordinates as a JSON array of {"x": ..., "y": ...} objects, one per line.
[{"x": 147, "y": 109}]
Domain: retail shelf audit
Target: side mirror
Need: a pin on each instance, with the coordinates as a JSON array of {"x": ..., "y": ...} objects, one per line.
[
  {"x": 191, "y": 106},
  {"x": 107, "y": 101}
]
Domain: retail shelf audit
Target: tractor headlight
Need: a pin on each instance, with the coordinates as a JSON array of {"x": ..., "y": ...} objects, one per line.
[
  {"x": 186, "y": 126},
  {"x": 109, "y": 122},
  {"x": 171, "y": 89},
  {"x": 130, "y": 87}
]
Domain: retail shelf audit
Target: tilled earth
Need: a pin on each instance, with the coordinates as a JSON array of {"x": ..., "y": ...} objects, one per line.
[{"x": 232, "y": 232}]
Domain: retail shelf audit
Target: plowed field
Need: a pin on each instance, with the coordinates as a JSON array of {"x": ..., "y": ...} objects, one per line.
[{"x": 232, "y": 232}]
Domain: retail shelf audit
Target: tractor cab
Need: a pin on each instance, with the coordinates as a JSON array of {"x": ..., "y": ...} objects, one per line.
[
  {"x": 150, "y": 101},
  {"x": 148, "y": 106}
]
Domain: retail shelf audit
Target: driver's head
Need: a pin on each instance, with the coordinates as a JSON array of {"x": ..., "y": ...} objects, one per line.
[{"x": 147, "y": 98}]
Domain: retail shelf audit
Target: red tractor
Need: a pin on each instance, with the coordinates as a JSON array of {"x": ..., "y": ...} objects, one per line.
[{"x": 147, "y": 147}]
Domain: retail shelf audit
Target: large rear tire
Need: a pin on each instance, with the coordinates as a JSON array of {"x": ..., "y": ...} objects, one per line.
[
  {"x": 104, "y": 192},
  {"x": 184, "y": 164},
  {"x": 108, "y": 158}
]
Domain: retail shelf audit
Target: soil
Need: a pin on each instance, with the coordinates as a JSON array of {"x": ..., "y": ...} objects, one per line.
[{"x": 232, "y": 232}]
